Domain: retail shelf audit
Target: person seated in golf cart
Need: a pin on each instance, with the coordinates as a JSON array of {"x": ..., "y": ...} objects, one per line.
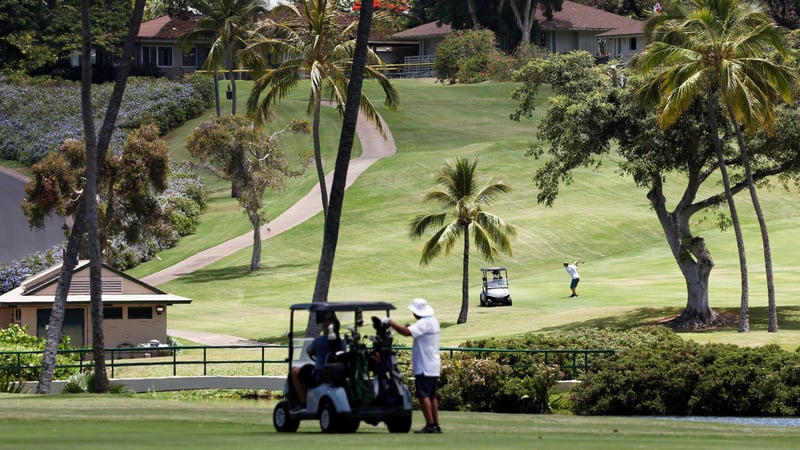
[{"x": 328, "y": 342}]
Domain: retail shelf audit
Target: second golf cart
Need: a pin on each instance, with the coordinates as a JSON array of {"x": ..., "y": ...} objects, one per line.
[
  {"x": 359, "y": 382},
  {"x": 495, "y": 287}
]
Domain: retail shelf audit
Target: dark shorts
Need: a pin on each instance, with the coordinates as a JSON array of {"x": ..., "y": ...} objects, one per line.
[
  {"x": 427, "y": 387},
  {"x": 309, "y": 376},
  {"x": 574, "y": 283}
]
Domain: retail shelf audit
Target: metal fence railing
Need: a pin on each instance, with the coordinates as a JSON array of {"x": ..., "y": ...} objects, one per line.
[{"x": 265, "y": 359}]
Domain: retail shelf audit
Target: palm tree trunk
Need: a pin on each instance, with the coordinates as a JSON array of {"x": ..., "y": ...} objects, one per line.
[
  {"x": 711, "y": 110},
  {"x": 90, "y": 197},
  {"x": 772, "y": 327},
  {"x": 216, "y": 92},
  {"x": 334, "y": 215},
  {"x": 462, "y": 315},
  {"x": 323, "y": 188},
  {"x": 55, "y": 326},
  {"x": 232, "y": 74}
]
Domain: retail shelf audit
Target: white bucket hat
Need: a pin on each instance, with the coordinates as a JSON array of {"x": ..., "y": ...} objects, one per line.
[{"x": 420, "y": 307}]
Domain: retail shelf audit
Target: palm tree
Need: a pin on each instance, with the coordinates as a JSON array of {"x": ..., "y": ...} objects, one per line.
[
  {"x": 463, "y": 201},
  {"x": 103, "y": 141},
  {"x": 310, "y": 38},
  {"x": 225, "y": 23},
  {"x": 349, "y": 121},
  {"x": 713, "y": 50}
]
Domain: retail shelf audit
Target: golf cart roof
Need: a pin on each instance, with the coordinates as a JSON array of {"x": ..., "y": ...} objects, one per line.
[
  {"x": 492, "y": 269},
  {"x": 343, "y": 306}
]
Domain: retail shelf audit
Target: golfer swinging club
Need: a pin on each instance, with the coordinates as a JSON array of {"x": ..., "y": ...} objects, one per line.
[{"x": 572, "y": 270}]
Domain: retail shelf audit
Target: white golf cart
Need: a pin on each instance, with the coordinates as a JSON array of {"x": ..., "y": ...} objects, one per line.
[
  {"x": 495, "y": 287},
  {"x": 359, "y": 382}
]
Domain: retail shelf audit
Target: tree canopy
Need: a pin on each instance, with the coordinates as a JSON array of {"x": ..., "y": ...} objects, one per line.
[
  {"x": 588, "y": 119},
  {"x": 233, "y": 149}
]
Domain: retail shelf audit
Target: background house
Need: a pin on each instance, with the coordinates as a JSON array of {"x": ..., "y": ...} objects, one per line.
[
  {"x": 601, "y": 33},
  {"x": 134, "y": 312},
  {"x": 575, "y": 27},
  {"x": 157, "y": 48}
]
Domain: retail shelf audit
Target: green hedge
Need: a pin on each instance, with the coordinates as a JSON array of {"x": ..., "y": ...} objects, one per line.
[{"x": 686, "y": 378}]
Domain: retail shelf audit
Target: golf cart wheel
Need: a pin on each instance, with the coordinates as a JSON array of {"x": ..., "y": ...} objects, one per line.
[
  {"x": 329, "y": 421},
  {"x": 281, "y": 420},
  {"x": 509, "y": 301},
  {"x": 399, "y": 424},
  {"x": 483, "y": 299}
]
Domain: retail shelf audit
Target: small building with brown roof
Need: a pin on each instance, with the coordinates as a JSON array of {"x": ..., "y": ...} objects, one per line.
[{"x": 133, "y": 311}]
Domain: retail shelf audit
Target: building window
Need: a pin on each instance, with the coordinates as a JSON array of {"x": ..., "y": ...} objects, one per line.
[
  {"x": 165, "y": 56},
  {"x": 149, "y": 55},
  {"x": 189, "y": 59},
  {"x": 112, "y": 313},
  {"x": 140, "y": 312},
  {"x": 157, "y": 56},
  {"x": 633, "y": 43}
]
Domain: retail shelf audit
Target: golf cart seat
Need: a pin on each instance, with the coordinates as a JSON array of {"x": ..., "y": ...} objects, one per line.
[{"x": 335, "y": 369}]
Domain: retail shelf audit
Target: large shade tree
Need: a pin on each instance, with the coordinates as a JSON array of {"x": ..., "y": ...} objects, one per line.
[
  {"x": 588, "y": 119},
  {"x": 463, "y": 201},
  {"x": 311, "y": 39},
  {"x": 716, "y": 51}
]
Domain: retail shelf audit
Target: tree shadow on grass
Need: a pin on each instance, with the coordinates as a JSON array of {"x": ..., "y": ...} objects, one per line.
[
  {"x": 788, "y": 319},
  {"x": 231, "y": 273}
]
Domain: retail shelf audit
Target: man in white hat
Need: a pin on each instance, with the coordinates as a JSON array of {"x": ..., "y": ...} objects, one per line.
[{"x": 425, "y": 359}]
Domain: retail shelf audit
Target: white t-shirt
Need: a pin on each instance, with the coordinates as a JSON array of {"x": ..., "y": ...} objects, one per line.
[
  {"x": 425, "y": 357},
  {"x": 572, "y": 269}
]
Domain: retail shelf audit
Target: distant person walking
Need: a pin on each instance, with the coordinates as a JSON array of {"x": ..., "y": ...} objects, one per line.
[
  {"x": 572, "y": 270},
  {"x": 425, "y": 359}
]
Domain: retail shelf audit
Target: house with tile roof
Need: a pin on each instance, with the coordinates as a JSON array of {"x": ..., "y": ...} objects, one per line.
[
  {"x": 156, "y": 46},
  {"x": 575, "y": 27},
  {"x": 134, "y": 312}
]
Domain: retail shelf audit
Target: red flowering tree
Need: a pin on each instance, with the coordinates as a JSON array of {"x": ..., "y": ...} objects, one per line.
[{"x": 389, "y": 14}]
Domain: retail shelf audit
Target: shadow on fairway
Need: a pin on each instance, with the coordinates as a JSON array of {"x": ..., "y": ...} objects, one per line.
[
  {"x": 231, "y": 273},
  {"x": 788, "y": 319}
]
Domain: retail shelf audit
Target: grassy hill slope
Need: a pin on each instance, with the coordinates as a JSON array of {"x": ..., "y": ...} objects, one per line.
[{"x": 629, "y": 277}]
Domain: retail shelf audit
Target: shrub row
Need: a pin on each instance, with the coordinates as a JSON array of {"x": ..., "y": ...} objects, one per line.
[
  {"x": 37, "y": 117},
  {"x": 523, "y": 382},
  {"x": 686, "y": 378}
]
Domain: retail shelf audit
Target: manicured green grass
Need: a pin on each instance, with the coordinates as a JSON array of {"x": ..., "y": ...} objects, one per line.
[
  {"x": 86, "y": 422},
  {"x": 629, "y": 277}
]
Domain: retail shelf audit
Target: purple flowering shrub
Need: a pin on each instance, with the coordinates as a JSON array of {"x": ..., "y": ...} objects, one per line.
[
  {"x": 12, "y": 274},
  {"x": 35, "y": 118}
]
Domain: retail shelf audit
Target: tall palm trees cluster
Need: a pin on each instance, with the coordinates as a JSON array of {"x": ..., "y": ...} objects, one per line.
[{"x": 715, "y": 52}]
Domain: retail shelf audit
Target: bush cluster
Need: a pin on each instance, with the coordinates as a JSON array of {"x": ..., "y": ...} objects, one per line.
[
  {"x": 473, "y": 384},
  {"x": 36, "y": 117},
  {"x": 675, "y": 377},
  {"x": 471, "y": 56},
  {"x": 514, "y": 382},
  {"x": 27, "y": 366}
]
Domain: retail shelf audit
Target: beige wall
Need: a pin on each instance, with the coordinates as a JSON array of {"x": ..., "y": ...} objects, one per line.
[{"x": 116, "y": 332}]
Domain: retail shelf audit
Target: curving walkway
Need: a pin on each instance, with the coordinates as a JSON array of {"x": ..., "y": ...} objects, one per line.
[{"x": 373, "y": 146}]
